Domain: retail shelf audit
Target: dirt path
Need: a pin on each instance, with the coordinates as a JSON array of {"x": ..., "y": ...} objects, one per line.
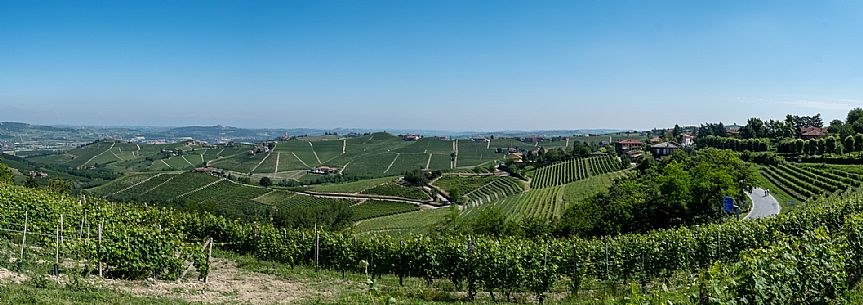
[
  {"x": 116, "y": 156},
  {"x": 344, "y": 145},
  {"x": 96, "y": 156},
  {"x": 202, "y": 159},
  {"x": 136, "y": 184},
  {"x": 160, "y": 184},
  {"x": 187, "y": 160},
  {"x": 341, "y": 171},
  {"x": 278, "y": 156},
  {"x": 301, "y": 160},
  {"x": 226, "y": 284},
  {"x": 262, "y": 162},
  {"x": 139, "y": 146},
  {"x": 166, "y": 163},
  {"x": 316, "y": 153},
  {"x": 420, "y": 203},
  {"x": 567, "y": 143},
  {"x": 391, "y": 163},
  {"x": 428, "y": 162},
  {"x": 488, "y": 144},
  {"x": 200, "y": 188}
]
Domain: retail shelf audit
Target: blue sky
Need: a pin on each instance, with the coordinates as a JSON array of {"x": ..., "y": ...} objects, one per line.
[{"x": 448, "y": 65}]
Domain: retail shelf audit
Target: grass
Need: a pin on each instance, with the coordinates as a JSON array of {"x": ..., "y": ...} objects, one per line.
[
  {"x": 351, "y": 287},
  {"x": 27, "y": 293}
]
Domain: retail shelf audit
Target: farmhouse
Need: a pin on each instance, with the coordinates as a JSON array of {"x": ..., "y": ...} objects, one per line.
[
  {"x": 628, "y": 144},
  {"x": 324, "y": 170},
  {"x": 811, "y": 132},
  {"x": 517, "y": 157},
  {"x": 663, "y": 149},
  {"x": 411, "y": 137}
]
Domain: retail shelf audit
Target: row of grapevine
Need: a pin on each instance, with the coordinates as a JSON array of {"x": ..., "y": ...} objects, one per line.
[
  {"x": 568, "y": 171},
  {"x": 803, "y": 182},
  {"x": 496, "y": 189},
  {"x": 135, "y": 243},
  {"x": 510, "y": 263}
]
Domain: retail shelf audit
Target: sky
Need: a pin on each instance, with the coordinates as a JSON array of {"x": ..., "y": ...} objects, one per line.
[{"x": 443, "y": 65}]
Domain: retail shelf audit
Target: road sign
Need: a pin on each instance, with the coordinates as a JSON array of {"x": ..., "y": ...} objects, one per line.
[{"x": 728, "y": 204}]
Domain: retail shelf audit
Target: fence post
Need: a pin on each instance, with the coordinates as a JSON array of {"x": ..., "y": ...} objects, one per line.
[
  {"x": 209, "y": 255},
  {"x": 102, "y": 223},
  {"x": 401, "y": 263},
  {"x": 23, "y": 242},
  {"x": 471, "y": 290},
  {"x": 317, "y": 249},
  {"x": 57, "y": 250}
]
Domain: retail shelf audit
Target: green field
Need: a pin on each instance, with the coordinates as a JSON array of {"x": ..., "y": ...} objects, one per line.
[
  {"x": 572, "y": 170},
  {"x": 805, "y": 181},
  {"x": 377, "y": 208},
  {"x": 410, "y": 222}
]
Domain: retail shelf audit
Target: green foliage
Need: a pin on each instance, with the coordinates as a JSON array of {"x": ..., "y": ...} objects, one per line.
[
  {"x": 6, "y": 174},
  {"x": 265, "y": 182},
  {"x": 573, "y": 170},
  {"x": 378, "y": 208}
]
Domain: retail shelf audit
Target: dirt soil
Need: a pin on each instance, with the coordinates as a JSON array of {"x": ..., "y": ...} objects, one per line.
[{"x": 227, "y": 284}]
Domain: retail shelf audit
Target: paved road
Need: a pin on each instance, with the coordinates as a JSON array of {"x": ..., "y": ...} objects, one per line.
[{"x": 762, "y": 206}]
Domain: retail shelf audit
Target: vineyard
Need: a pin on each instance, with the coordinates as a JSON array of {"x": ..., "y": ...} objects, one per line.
[
  {"x": 576, "y": 169},
  {"x": 377, "y": 208},
  {"x": 515, "y": 264},
  {"x": 125, "y": 241},
  {"x": 547, "y": 203},
  {"x": 397, "y": 190},
  {"x": 806, "y": 181},
  {"x": 507, "y": 264},
  {"x": 498, "y": 188}
]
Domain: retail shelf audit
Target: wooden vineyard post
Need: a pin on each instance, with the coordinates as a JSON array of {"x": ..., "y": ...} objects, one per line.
[
  {"x": 209, "y": 255},
  {"x": 471, "y": 289},
  {"x": 57, "y": 250},
  {"x": 317, "y": 249},
  {"x": 23, "y": 242},
  {"x": 401, "y": 265},
  {"x": 100, "y": 248},
  {"x": 607, "y": 273}
]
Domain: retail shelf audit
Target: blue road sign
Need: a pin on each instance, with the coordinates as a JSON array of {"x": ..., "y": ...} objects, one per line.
[{"x": 728, "y": 204}]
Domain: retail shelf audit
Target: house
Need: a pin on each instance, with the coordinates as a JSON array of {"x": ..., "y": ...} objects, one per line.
[
  {"x": 411, "y": 137},
  {"x": 663, "y": 149},
  {"x": 812, "y": 132},
  {"x": 634, "y": 154},
  {"x": 628, "y": 144},
  {"x": 202, "y": 169},
  {"x": 655, "y": 140},
  {"x": 324, "y": 170},
  {"x": 517, "y": 157},
  {"x": 687, "y": 140}
]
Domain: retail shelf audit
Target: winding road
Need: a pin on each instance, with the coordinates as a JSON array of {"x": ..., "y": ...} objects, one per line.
[{"x": 762, "y": 206}]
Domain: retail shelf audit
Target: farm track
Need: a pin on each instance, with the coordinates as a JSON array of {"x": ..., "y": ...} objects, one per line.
[
  {"x": 315, "y": 153},
  {"x": 344, "y": 145},
  {"x": 301, "y": 160},
  {"x": 391, "y": 163},
  {"x": 262, "y": 162},
  {"x": 116, "y": 156},
  {"x": 187, "y": 160},
  {"x": 139, "y": 183},
  {"x": 200, "y": 188},
  {"x": 429, "y": 161},
  {"x": 278, "y": 156},
  {"x": 159, "y": 185},
  {"x": 420, "y": 203},
  {"x": 166, "y": 163},
  {"x": 96, "y": 156}
]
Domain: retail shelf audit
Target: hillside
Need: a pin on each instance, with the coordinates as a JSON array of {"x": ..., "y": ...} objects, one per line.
[
  {"x": 368, "y": 156},
  {"x": 513, "y": 266}
]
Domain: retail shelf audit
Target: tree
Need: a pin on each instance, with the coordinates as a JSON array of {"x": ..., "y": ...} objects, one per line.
[
  {"x": 31, "y": 182},
  {"x": 854, "y": 116},
  {"x": 6, "y": 174},
  {"x": 677, "y": 131},
  {"x": 60, "y": 186},
  {"x": 265, "y": 182},
  {"x": 757, "y": 127},
  {"x": 455, "y": 195},
  {"x": 858, "y": 142},
  {"x": 849, "y": 144}
]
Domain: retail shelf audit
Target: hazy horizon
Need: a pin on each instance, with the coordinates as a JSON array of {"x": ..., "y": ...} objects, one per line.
[{"x": 443, "y": 65}]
